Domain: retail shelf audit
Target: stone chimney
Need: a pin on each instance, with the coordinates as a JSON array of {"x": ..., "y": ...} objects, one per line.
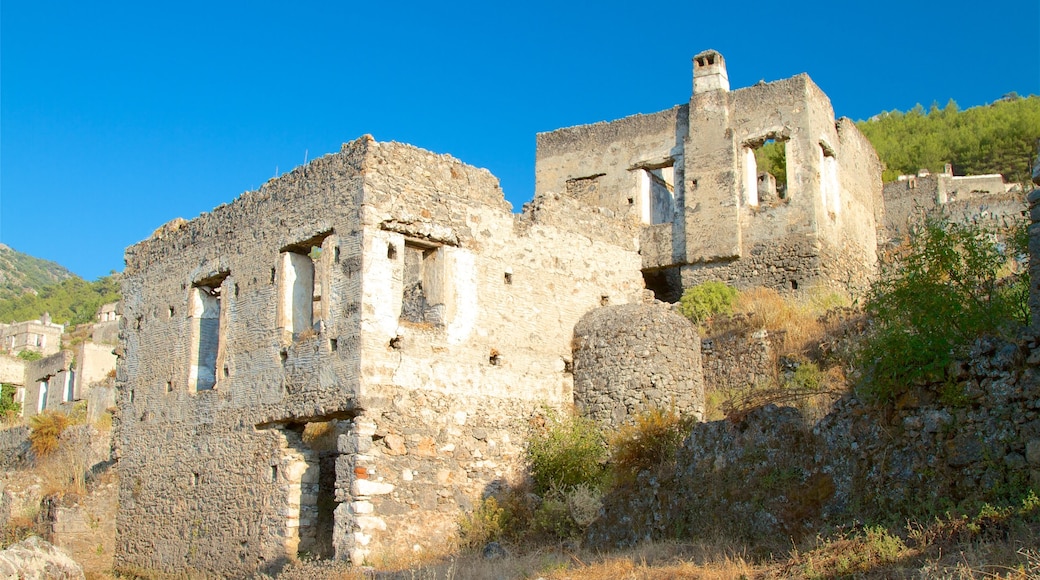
[{"x": 709, "y": 72}]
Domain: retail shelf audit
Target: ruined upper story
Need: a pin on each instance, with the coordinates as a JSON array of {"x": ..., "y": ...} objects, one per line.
[
  {"x": 352, "y": 271},
  {"x": 689, "y": 174}
]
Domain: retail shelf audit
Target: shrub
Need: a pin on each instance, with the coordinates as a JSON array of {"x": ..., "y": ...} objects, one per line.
[
  {"x": 46, "y": 428},
  {"x": 29, "y": 355},
  {"x": 485, "y": 524},
  {"x": 8, "y": 406},
  {"x": 949, "y": 286},
  {"x": 566, "y": 452},
  {"x": 705, "y": 300},
  {"x": 649, "y": 442}
]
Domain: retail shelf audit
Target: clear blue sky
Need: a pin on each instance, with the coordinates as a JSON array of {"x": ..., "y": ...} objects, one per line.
[{"x": 116, "y": 117}]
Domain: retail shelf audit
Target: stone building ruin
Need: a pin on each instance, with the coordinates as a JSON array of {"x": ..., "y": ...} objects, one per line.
[
  {"x": 341, "y": 361},
  {"x": 983, "y": 199},
  {"x": 383, "y": 295},
  {"x": 689, "y": 176}
]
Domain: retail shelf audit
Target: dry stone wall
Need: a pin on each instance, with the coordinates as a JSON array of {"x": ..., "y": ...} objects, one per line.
[
  {"x": 737, "y": 359},
  {"x": 635, "y": 357},
  {"x": 772, "y": 472}
]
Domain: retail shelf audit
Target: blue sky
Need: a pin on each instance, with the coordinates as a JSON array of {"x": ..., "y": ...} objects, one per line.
[{"x": 116, "y": 117}]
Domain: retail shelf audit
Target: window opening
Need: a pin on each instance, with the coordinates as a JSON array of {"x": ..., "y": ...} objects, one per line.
[
  {"x": 303, "y": 283},
  {"x": 67, "y": 392},
  {"x": 41, "y": 404},
  {"x": 424, "y": 299},
  {"x": 665, "y": 284},
  {"x": 205, "y": 318},
  {"x": 765, "y": 170},
  {"x": 830, "y": 189},
  {"x": 657, "y": 194}
]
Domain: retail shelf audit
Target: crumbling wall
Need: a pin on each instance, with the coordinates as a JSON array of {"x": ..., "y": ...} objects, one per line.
[
  {"x": 1034, "y": 249},
  {"x": 635, "y": 357}
]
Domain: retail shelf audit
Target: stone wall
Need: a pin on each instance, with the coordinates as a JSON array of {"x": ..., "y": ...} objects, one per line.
[
  {"x": 1034, "y": 249},
  {"x": 636, "y": 357},
  {"x": 773, "y": 473},
  {"x": 979, "y": 199},
  {"x": 14, "y": 446},
  {"x": 12, "y": 370},
  {"x": 94, "y": 364},
  {"x": 737, "y": 359}
]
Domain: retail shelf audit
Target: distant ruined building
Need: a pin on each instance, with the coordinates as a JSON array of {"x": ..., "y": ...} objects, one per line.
[{"x": 343, "y": 360}]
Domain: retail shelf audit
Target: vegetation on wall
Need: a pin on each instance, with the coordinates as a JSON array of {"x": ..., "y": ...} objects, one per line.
[
  {"x": 996, "y": 138},
  {"x": 72, "y": 301},
  {"x": 951, "y": 284}
]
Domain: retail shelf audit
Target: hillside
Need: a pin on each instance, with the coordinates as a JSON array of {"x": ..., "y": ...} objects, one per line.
[
  {"x": 21, "y": 273},
  {"x": 996, "y": 138}
]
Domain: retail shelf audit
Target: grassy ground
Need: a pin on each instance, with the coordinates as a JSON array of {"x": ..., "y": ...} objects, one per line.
[{"x": 993, "y": 544}]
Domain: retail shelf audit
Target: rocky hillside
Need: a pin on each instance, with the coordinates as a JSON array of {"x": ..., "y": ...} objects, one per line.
[{"x": 21, "y": 273}]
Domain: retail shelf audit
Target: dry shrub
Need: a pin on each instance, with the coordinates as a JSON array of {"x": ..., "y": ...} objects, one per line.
[
  {"x": 648, "y": 442},
  {"x": 65, "y": 470},
  {"x": 485, "y": 524},
  {"x": 47, "y": 428},
  {"x": 798, "y": 323}
]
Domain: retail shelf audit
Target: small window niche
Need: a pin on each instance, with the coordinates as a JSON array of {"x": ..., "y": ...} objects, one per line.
[
  {"x": 657, "y": 193},
  {"x": 426, "y": 293},
  {"x": 765, "y": 170},
  {"x": 303, "y": 288},
  {"x": 830, "y": 188},
  {"x": 205, "y": 316}
]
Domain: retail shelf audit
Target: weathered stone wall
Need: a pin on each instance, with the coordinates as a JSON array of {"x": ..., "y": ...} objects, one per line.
[
  {"x": 1034, "y": 250},
  {"x": 205, "y": 486},
  {"x": 737, "y": 359},
  {"x": 105, "y": 332},
  {"x": 981, "y": 199},
  {"x": 87, "y": 530},
  {"x": 513, "y": 288},
  {"x": 635, "y": 357},
  {"x": 94, "y": 363},
  {"x": 14, "y": 446},
  {"x": 12, "y": 370}
]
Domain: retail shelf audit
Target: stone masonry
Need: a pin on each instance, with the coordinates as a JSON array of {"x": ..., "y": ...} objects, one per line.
[
  {"x": 633, "y": 357},
  {"x": 384, "y": 293},
  {"x": 688, "y": 175}
]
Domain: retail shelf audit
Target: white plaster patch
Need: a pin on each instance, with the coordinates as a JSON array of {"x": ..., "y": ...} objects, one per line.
[{"x": 466, "y": 304}]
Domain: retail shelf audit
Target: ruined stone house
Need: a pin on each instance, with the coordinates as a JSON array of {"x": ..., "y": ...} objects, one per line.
[
  {"x": 42, "y": 336},
  {"x": 984, "y": 199},
  {"x": 343, "y": 360},
  {"x": 384, "y": 287},
  {"x": 689, "y": 176}
]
